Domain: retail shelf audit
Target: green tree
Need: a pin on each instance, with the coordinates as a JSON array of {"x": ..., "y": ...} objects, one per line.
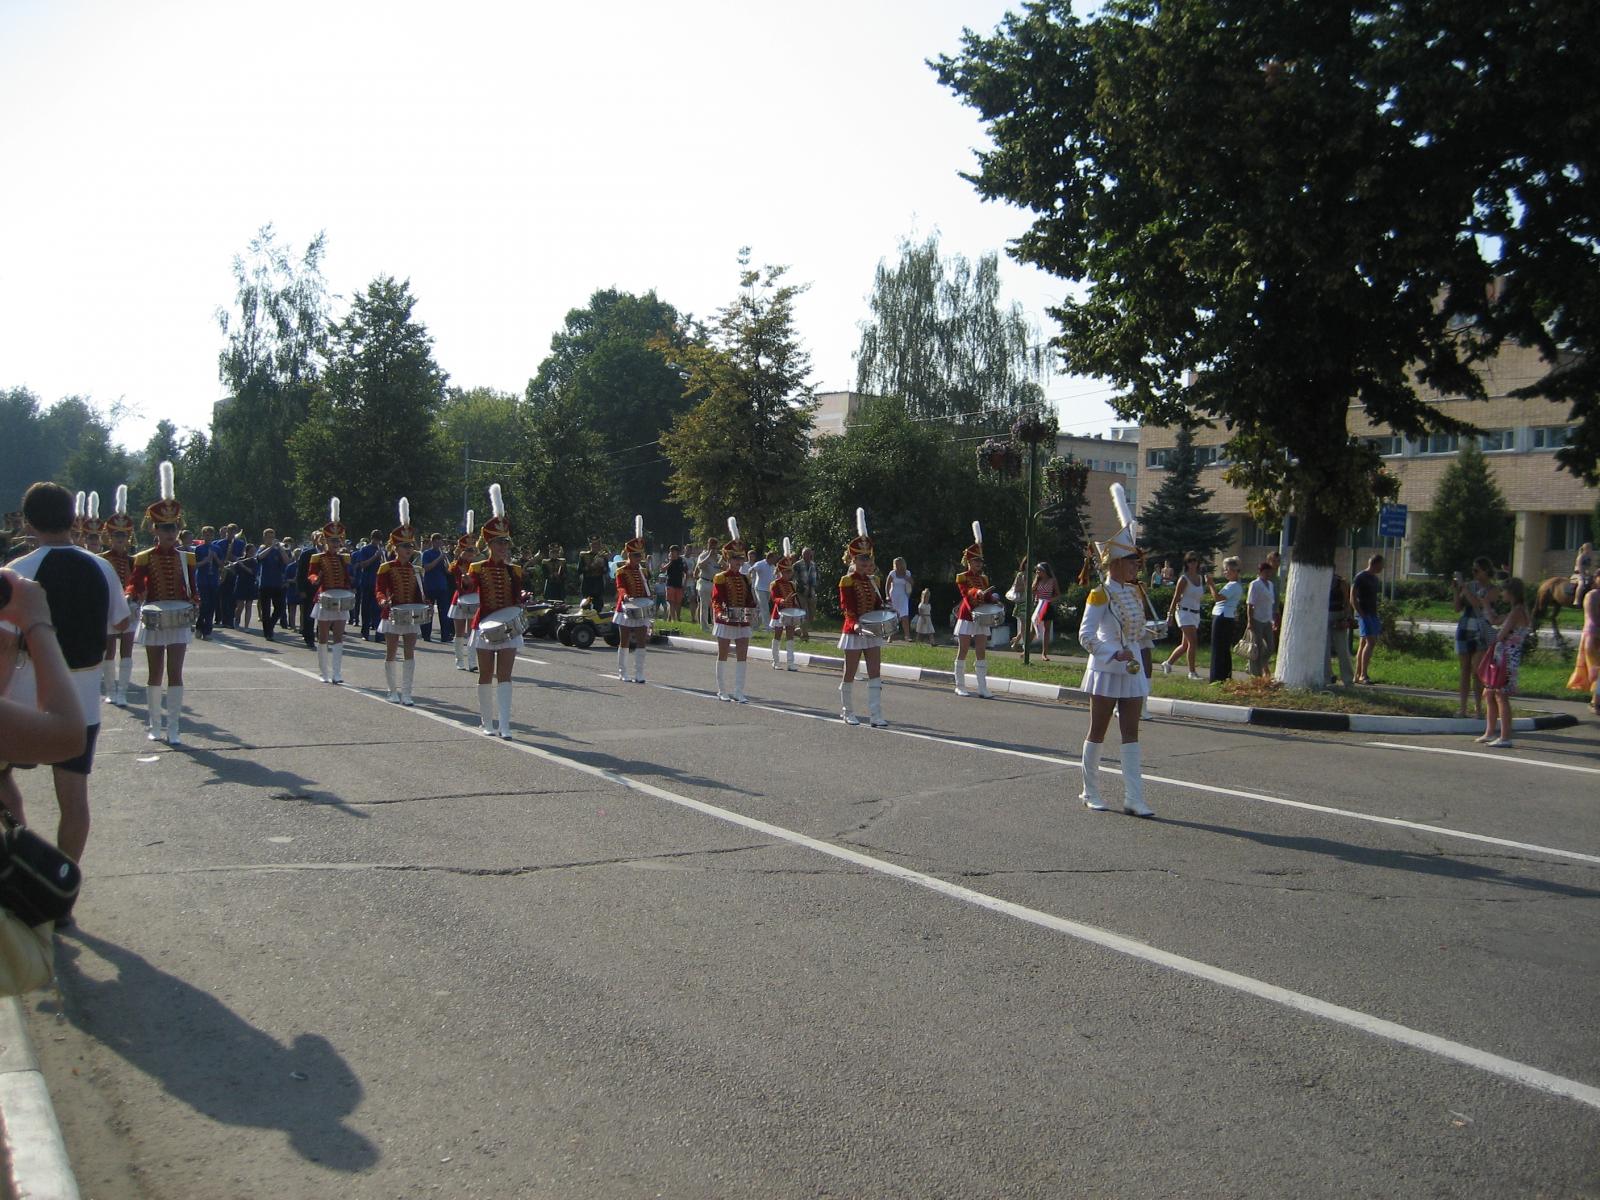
[
  {"x": 566, "y": 485},
  {"x": 941, "y": 339},
  {"x": 372, "y": 435},
  {"x": 27, "y": 451},
  {"x": 741, "y": 449},
  {"x": 1176, "y": 520},
  {"x": 1469, "y": 517},
  {"x": 1277, "y": 214},
  {"x": 143, "y": 482},
  {"x": 276, "y": 336},
  {"x": 484, "y": 429},
  {"x": 605, "y": 362}
]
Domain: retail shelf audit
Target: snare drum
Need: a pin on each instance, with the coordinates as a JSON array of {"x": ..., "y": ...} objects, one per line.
[
  {"x": 335, "y": 604},
  {"x": 465, "y": 607},
  {"x": 737, "y": 616},
  {"x": 879, "y": 623},
  {"x": 501, "y": 626},
  {"x": 987, "y": 616},
  {"x": 638, "y": 609},
  {"x": 790, "y": 617},
  {"x": 406, "y": 618},
  {"x": 166, "y": 614},
  {"x": 1156, "y": 629}
]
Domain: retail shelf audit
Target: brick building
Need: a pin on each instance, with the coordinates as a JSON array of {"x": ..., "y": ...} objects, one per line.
[{"x": 1551, "y": 507}]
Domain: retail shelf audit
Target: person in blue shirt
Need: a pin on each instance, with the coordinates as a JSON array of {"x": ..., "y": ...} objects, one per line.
[
  {"x": 229, "y": 550},
  {"x": 272, "y": 560},
  {"x": 364, "y": 563},
  {"x": 206, "y": 569},
  {"x": 438, "y": 588}
]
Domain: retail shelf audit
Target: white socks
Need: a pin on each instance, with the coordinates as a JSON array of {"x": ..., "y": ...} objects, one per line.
[
  {"x": 1133, "y": 781},
  {"x": 875, "y": 703},
  {"x": 154, "y": 699},
  {"x": 174, "y": 708},
  {"x": 408, "y": 672},
  {"x": 846, "y": 708},
  {"x": 486, "y": 707},
  {"x": 1091, "y": 776},
  {"x": 961, "y": 677},
  {"x": 505, "y": 708}
]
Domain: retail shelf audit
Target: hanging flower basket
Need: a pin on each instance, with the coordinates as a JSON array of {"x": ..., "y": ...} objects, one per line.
[
  {"x": 1067, "y": 477},
  {"x": 1033, "y": 428},
  {"x": 1000, "y": 456}
]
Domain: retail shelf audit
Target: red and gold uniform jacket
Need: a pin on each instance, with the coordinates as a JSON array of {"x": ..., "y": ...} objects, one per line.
[
  {"x": 397, "y": 584},
  {"x": 783, "y": 594},
  {"x": 731, "y": 590},
  {"x": 160, "y": 574},
  {"x": 122, "y": 563},
  {"x": 466, "y": 583},
  {"x": 499, "y": 585},
  {"x": 632, "y": 583},
  {"x": 975, "y": 590},
  {"x": 329, "y": 572},
  {"x": 858, "y": 595}
]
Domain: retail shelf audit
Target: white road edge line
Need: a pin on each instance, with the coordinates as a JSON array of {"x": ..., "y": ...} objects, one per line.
[
  {"x": 1283, "y": 801},
  {"x": 1527, "y": 762},
  {"x": 1483, "y": 1060}
]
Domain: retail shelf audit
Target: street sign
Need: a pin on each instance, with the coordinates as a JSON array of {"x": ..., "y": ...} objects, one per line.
[{"x": 1392, "y": 521}]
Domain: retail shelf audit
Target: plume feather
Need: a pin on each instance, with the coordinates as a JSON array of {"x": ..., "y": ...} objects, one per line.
[
  {"x": 122, "y": 498},
  {"x": 861, "y": 522},
  {"x": 471, "y": 520},
  {"x": 1119, "y": 500},
  {"x": 333, "y": 510},
  {"x": 168, "y": 491},
  {"x": 405, "y": 511},
  {"x": 977, "y": 532},
  {"x": 77, "y": 505},
  {"x": 788, "y": 548},
  {"x": 638, "y": 525},
  {"x": 495, "y": 502},
  {"x": 94, "y": 506},
  {"x": 733, "y": 528}
]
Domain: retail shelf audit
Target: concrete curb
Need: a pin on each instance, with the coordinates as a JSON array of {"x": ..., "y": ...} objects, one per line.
[
  {"x": 36, "y": 1160},
  {"x": 1233, "y": 714}
]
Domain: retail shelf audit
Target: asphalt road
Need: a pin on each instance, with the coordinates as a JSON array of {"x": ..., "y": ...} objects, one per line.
[{"x": 664, "y": 946}]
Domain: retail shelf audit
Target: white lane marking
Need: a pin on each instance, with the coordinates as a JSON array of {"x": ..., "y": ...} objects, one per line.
[
  {"x": 1236, "y": 793},
  {"x": 1471, "y": 1056},
  {"x": 1527, "y": 762},
  {"x": 538, "y": 662}
]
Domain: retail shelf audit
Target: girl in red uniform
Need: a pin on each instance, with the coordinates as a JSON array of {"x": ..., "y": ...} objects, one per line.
[
  {"x": 329, "y": 572},
  {"x": 397, "y": 584},
  {"x": 163, "y": 573},
  {"x": 859, "y": 594},
  {"x": 117, "y": 670},
  {"x": 783, "y": 596},
  {"x": 464, "y": 601},
  {"x": 633, "y": 583},
  {"x": 733, "y": 605},
  {"x": 499, "y": 584},
  {"x": 973, "y": 586}
]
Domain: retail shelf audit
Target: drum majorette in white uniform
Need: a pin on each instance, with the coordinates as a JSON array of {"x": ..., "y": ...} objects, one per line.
[
  {"x": 496, "y": 642},
  {"x": 464, "y": 600},
  {"x": 973, "y": 588},
  {"x": 733, "y": 611},
  {"x": 163, "y": 582},
  {"x": 784, "y": 598},
  {"x": 860, "y": 595},
  {"x": 633, "y": 584},
  {"x": 401, "y": 608},
  {"x": 117, "y": 670},
  {"x": 1115, "y": 630}
]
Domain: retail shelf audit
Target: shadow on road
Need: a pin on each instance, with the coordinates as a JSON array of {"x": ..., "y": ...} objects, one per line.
[
  {"x": 213, "y": 1060},
  {"x": 282, "y": 785},
  {"x": 1441, "y": 866}
]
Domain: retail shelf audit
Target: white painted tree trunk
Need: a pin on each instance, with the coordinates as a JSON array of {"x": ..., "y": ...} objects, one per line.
[{"x": 1303, "y": 654}]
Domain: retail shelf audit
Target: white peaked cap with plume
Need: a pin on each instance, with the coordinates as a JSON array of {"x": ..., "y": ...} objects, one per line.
[
  {"x": 405, "y": 511},
  {"x": 733, "y": 528},
  {"x": 121, "y": 505},
  {"x": 497, "y": 503},
  {"x": 168, "y": 491},
  {"x": 94, "y": 506},
  {"x": 1125, "y": 542},
  {"x": 861, "y": 522}
]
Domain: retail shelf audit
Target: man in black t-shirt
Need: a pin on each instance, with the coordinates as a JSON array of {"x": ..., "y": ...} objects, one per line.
[{"x": 1364, "y": 596}]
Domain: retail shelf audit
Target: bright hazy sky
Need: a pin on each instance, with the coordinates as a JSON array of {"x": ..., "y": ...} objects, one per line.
[{"x": 507, "y": 158}]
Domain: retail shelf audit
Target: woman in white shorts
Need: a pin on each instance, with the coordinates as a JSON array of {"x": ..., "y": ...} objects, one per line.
[{"x": 1186, "y": 600}]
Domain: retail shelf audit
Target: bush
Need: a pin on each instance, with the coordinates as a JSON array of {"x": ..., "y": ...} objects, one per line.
[
  {"x": 1401, "y": 634},
  {"x": 1423, "y": 589}
]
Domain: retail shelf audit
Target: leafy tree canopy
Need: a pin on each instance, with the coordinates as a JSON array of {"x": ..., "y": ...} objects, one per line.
[{"x": 1469, "y": 517}]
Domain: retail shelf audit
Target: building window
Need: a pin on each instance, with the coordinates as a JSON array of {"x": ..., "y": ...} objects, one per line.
[
  {"x": 1550, "y": 437},
  {"x": 1391, "y": 445},
  {"x": 1438, "y": 443},
  {"x": 1567, "y": 531},
  {"x": 1156, "y": 460},
  {"x": 1498, "y": 439},
  {"x": 1257, "y": 534}
]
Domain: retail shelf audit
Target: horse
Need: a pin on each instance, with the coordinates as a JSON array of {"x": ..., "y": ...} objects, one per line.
[{"x": 1555, "y": 594}]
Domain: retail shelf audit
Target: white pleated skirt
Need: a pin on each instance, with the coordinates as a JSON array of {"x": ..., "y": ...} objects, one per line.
[
  {"x": 730, "y": 632},
  {"x": 860, "y": 641},
  {"x": 478, "y": 642},
  {"x": 144, "y": 636},
  {"x": 1117, "y": 682}
]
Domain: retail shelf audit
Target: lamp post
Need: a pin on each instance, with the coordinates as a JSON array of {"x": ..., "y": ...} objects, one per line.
[{"x": 1009, "y": 456}]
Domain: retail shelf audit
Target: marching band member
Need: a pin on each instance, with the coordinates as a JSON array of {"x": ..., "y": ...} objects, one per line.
[
  {"x": 465, "y": 586},
  {"x": 499, "y": 584},
  {"x": 1114, "y": 633},
  {"x": 92, "y": 524},
  {"x": 328, "y": 571},
  {"x": 79, "y": 510},
  {"x": 633, "y": 633},
  {"x": 783, "y": 596},
  {"x": 731, "y": 590},
  {"x": 163, "y": 573},
  {"x": 973, "y": 586},
  {"x": 859, "y": 594},
  {"x": 117, "y": 670},
  {"x": 397, "y": 584}
]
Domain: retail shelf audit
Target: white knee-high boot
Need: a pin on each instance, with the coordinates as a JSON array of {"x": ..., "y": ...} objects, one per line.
[
  {"x": 336, "y": 656},
  {"x": 622, "y": 660},
  {"x": 155, "y": 698},
  {"x": 875, "y": 703},
  {"x": 124, "y": 678},
  {"x": 846, "y": 707},
  {"x": 722, "y": 680},
  {"x": 638, "y": 664},
  {"x": 486, "y": 707},
  {"x": 322, "y": 662},
  {"x": 174, "y": 708},
  {"x": 390, "y": 669},
  {"x": 775, "y": 640},
  {"x": 1091, "y": 776},
  {"x": 789, "y": 643},
  {"x": 738, "y": 683},
  {"x": 408, "y": 672},
  {"x": 1133, "y": 781},
  {"x": 961, "y": 677},
  {"x": 108, "y": 678},
  {"x": 504, "y": 690},
  {"x": 461, "y": 653},
  {"x": 983, "y": 679}
]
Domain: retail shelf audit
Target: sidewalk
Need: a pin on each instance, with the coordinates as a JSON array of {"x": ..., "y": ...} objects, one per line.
[{"x": 36, "y": 1163}]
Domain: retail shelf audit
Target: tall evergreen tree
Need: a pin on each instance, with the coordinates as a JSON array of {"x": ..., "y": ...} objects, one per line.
[
  {"x": 1177, "y": 520},
  {"x": 566, "y": 485},
  {"x": 1469, "y": 517}
]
